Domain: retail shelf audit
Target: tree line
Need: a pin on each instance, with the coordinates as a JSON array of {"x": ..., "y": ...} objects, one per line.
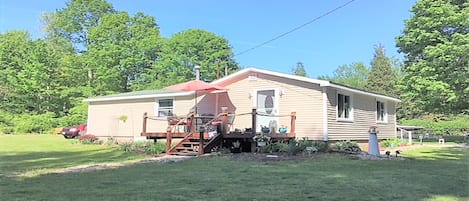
[
  {"x": 433, "y": 79},
  {"x": 92, "y": 49}
]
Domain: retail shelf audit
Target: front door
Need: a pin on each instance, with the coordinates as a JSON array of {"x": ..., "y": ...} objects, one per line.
[{"x": 267, "y": 108}]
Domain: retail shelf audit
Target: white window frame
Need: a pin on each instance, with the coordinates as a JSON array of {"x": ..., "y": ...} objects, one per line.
[
  {"x": 385, "y": 108},
  {"x": 157, "y": 102},
  {"x": 344, "y": 119},
  {"x": 276, "y": 102}
]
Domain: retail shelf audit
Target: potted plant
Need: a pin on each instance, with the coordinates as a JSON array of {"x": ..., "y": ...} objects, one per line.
[
  {"x": 282, "y": 129},
  {"x": 261, "y": 140},
  {"x": 265, "y": 129}
]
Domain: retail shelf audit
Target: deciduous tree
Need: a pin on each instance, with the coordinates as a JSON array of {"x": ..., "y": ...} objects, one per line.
[
  {"x": 353, "y": 75},
  {"x": 435, "y": 42},
  {"x": 75, "y": 20},
  {"x": 183, "y": 51}
]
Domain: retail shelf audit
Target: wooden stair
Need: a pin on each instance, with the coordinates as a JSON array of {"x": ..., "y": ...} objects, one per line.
[{"x": 189, "y": 146}]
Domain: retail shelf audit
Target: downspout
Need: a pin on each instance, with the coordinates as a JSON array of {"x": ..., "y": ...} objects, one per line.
[{"x": 325, "y": 119}]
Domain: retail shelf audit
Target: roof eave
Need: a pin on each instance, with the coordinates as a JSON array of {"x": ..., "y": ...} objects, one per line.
[
  {"x": 257, "y": 70},
  {"x": 98, "y": 99},
  {"x": 365, "y": 93}
]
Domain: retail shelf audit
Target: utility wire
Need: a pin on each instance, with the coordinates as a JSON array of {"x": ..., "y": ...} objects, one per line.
[{"x": 294, "y": 29}]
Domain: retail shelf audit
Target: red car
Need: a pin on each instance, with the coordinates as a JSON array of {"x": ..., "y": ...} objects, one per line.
[{"x": 74, "y": 131}]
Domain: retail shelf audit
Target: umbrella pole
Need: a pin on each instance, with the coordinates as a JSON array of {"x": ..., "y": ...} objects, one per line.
[{"x": 195, "y": 111}]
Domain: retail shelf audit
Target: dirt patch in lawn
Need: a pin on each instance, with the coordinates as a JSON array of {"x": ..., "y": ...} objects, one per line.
[{"x": 103, "y": 166}]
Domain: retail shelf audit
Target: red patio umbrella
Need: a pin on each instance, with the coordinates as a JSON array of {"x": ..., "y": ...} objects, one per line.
[{"x": 196, "y": 85}]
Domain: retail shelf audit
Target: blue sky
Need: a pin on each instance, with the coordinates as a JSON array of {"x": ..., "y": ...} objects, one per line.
[{"x": 344, "y": 37}]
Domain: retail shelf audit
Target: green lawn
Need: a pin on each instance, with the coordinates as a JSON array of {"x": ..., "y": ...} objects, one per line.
[
  {"x": 430, "y": 174},
  {"x": 31, "y": 155}
]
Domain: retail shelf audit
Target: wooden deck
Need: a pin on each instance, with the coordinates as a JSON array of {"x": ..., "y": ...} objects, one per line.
[
  {"x": 189, "y": 140},
  {"x": 163, "y": 135},
  {"x": 238, "y": 135},
  {"x": 245, "y": 135}
]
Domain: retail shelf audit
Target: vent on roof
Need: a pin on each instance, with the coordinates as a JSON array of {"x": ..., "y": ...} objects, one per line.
[{"x": 252, "y": 77}]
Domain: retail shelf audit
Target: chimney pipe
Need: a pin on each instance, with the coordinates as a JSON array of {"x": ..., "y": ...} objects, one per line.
[{"x": 197, "y": 72}]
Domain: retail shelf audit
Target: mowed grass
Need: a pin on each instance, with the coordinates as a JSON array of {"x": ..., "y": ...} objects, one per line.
[
  {"x": 429, "y": 174},
  {"x": 32, "y": 155}
]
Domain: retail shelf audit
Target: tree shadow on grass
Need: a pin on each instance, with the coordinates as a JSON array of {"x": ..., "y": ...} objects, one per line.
[
  {"x": 447, "y": 153},
  {"x": 426, "y": 177}
]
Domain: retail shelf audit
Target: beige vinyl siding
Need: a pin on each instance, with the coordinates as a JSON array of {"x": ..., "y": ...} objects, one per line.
[
  {"x": 388, "y": 129},
  {"x": 301, "y": 97},
  {"x": 364, "y": 116},
  {"x": 103, "y": 116}
]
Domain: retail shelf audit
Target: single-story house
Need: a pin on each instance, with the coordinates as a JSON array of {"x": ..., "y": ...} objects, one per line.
[{"x": 324, "y": 110}]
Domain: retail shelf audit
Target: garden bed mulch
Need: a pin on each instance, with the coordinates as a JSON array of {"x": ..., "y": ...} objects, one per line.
[{"x": 272, "y": 157}]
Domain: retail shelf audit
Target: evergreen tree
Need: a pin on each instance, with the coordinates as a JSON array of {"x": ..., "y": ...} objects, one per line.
[
  {"x": 382, "y": 78},
  {"x": 299, "y": 70}
]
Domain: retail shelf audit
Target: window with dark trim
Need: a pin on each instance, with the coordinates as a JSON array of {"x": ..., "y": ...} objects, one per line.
[
  {"x": 165, "y": 107},
  {"x": 381, "y": 114},
  {"x": 344, "y": 107}
]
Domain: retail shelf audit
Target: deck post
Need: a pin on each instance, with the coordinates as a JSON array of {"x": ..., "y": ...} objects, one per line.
[
  {"x": 144, "y": 130},
  {"x": 292, "y": 122},
  {"x": 169, "y": 139},
  {"x": 201, "y": 141},
  {"x": 254, "y": 120}
]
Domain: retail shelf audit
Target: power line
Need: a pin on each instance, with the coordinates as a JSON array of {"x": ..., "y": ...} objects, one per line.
[{"x": 295, "y": 29}]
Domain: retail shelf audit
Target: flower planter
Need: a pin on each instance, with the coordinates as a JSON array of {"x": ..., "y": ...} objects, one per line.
[
  {"x": 282, "y": 130},
  {"x": 261, "y": 144}
]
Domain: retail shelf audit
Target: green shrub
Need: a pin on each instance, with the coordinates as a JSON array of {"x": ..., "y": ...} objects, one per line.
[
  {"x": 267, "y": 148},
  {"x": 143, "y": 147},
  {"x": 111, "y": 141},
  {"x": 40, "y": 123},
  {"x": 126, "y": 146},
  {"x": 279, "y": 147},
  {"x": 89, "y": 139},
  {"x": 320, "y": 145},
  {"x": 6, "y": 123},
  {"x": 391, "y": 142},
  {"x": 77, "y": 115},
  {"x": 346, "y": 147},
  {"x": 295, "y": 147},
  {"x": 155, "y": 148},
  {"x": 441, "y": 125},
  {"x": 139, "y": 146},
  {"x": 7, "y": 130}
]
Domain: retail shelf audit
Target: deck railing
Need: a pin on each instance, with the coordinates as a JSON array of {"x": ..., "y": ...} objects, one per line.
[{"x": 223, "y": 117}]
